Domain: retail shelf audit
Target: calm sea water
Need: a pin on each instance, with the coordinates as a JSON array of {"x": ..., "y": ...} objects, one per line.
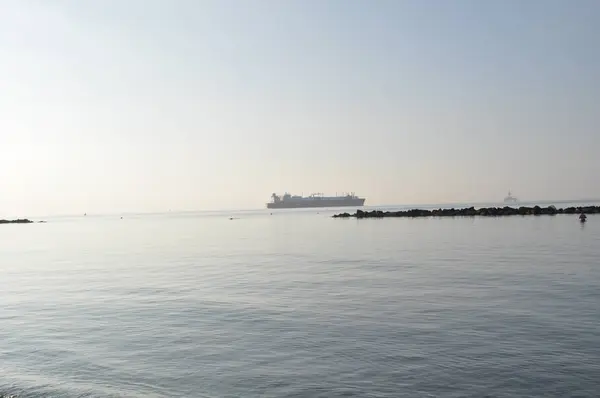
[{"x": 297, "y": 304}]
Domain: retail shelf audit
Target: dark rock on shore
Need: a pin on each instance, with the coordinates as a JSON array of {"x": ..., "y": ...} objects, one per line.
[
  {"x": 19, "y": 221},
  {"x": 471, "y": 212}
]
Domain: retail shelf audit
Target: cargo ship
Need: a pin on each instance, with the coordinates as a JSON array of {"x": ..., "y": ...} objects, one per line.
[{"x": 288, "y": 201}]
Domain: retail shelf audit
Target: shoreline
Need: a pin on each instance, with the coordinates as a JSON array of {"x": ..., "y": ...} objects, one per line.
[{"x": 472, "y": 212}]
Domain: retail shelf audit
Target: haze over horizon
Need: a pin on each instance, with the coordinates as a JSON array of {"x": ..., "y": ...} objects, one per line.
[{"x": 149, "y": 105}]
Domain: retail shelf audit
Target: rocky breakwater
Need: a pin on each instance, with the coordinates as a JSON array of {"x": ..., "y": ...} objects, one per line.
[
  {"x": 471, "y": 212},
  {"x": 19, "y": 221}
]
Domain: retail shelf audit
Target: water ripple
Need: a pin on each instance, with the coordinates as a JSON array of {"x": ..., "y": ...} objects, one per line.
[{"x": 301, "y": 306}]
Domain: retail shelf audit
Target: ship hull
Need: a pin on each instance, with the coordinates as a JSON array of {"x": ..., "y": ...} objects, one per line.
[{"x": 300, "y": 204}]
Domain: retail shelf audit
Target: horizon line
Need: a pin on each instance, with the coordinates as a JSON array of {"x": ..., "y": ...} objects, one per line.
[{"x": 150, "y": 213}]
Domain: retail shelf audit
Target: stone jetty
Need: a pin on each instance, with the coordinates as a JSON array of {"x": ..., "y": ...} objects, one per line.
[
  {"x": 19, "y": 221},
  {"x": 472, "y": 212}
]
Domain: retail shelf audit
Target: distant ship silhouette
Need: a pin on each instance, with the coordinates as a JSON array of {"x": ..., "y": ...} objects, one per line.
[{"x": 509, "y": 198}]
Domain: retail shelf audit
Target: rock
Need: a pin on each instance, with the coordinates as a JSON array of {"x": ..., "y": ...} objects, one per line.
[
  {"x": 471, "y": 212},
  {"x": 19, "y": 221},
  {"x": 343, "y": 215}
]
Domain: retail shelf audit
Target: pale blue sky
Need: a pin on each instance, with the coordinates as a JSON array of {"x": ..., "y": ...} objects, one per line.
[{"x": 150, "y": 105}]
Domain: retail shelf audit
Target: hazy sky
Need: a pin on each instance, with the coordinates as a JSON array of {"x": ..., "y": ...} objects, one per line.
[{"x": 151, "y": 105}]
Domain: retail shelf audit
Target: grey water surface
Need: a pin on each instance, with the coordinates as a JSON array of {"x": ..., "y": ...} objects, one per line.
[{"x": 297, "y": 304}]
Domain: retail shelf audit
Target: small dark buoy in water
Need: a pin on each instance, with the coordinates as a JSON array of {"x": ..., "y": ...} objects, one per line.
[{"x": 582, "y": 217}]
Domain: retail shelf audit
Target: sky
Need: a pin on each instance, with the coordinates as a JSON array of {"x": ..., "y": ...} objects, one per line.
[{"x": 151, "y": 105}]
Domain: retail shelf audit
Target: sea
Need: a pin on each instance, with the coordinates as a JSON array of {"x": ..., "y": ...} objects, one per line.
[{"x": 294, "y": 303}]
